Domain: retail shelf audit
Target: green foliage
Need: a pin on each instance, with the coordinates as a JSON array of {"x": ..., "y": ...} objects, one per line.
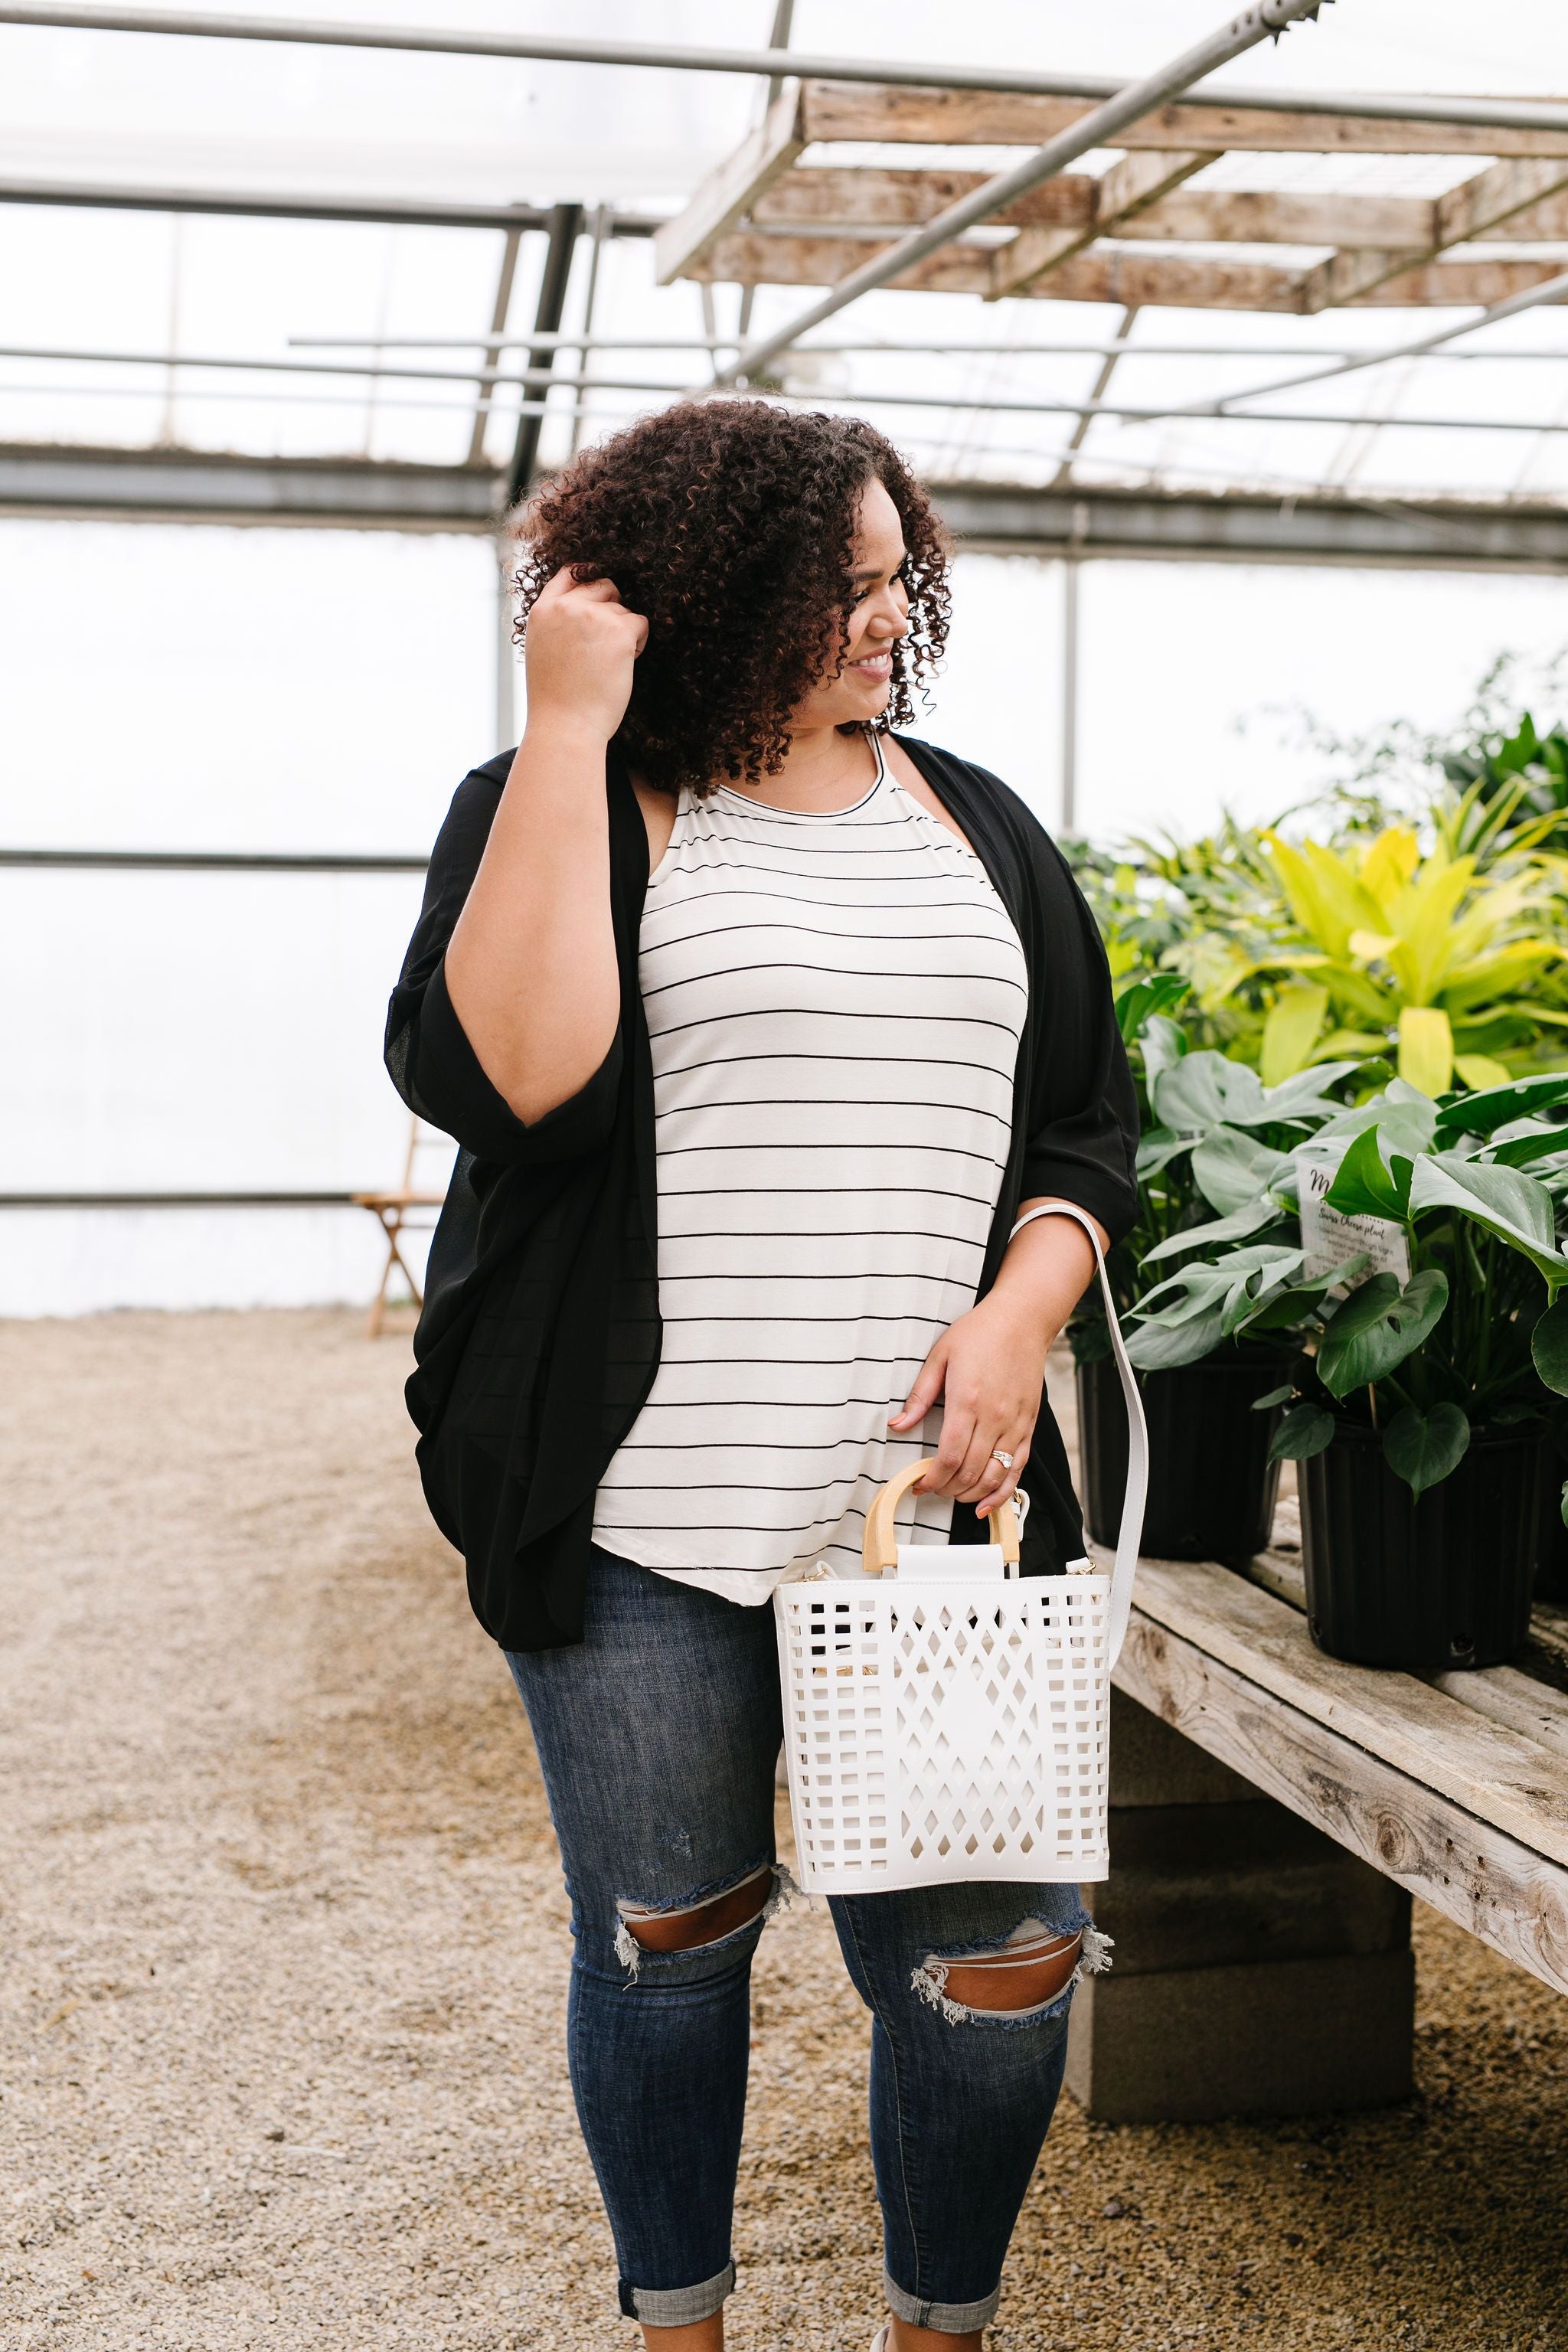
[
  {"x": 1422, "y": 1447},
  {"x": 1472, "y": 1188},
  {"x": 1397, "y": 988},
  {"x": 1421, "y": 922},
  {"x": 1305, "y": 1430}
]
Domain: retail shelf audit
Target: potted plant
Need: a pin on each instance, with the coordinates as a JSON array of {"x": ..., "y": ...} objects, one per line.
[
  {"x": 1409, "y": 1252},
  {"x": 1212, "y": 1483}
]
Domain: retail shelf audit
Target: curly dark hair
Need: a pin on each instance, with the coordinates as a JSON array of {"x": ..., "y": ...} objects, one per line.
[{"x": 730, "y": 524}]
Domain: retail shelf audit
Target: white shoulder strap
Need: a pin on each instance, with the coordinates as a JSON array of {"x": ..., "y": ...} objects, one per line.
[{"x": 1129, "y": 1535}]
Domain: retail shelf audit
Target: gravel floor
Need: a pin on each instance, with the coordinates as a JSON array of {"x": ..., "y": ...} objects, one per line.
[{"x": 280, "y": 2015}]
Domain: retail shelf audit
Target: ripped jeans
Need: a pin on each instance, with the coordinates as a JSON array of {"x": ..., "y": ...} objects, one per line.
[{"x": 657, "y": 1737}]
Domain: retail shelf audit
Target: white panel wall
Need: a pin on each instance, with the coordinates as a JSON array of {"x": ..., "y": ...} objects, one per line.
[{"x": 272, "y": 689}]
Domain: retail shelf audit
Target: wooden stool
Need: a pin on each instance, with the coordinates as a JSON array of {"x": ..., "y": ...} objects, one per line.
[{"x": 398, "y": 1212}]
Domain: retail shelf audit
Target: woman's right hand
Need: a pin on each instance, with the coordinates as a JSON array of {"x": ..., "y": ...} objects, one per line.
[{"x": 581, "y": 645}]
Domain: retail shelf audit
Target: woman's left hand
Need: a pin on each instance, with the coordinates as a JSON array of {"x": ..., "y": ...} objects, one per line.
[{"x": 988, "y": 1369}]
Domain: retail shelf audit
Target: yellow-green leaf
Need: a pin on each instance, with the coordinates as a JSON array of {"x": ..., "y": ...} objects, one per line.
[
  {"x": 1371, "y": 947},
  {"x": 1323, "y": 893},
  {"x": 1290, "y": 1032},
  {"x": 1390, "y": 863},
  {"x": 1426, "y": 1049},
  {"x": 1342, "y": 1044},
  {"x": 1480, "y": 1070},
  {"x": 1425, "y": 920}
]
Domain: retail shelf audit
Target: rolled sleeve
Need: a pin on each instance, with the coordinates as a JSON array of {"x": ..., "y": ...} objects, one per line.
[
  {"x": 429, "y": 1056},
  {"x": 453, "y": 1092}
]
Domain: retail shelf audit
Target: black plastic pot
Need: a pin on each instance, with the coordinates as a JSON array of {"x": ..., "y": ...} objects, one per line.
[
  {"x": 1211, "y": 1486},
  {"x": 1439, "y": 1580},
  {"x": 1552, "y": 1543}
]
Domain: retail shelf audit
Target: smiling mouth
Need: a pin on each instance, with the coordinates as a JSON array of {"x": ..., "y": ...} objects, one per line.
[{"x": 878, "y": 663}]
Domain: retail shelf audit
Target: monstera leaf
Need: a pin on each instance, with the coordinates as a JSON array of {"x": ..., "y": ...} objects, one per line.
[
  {"x": 1189, "y": 1313},
  {"x": 1495, "y": 1107},
  {"x": 1363, "y": 1187},
  {"x": 1232, "y": 1169},
  {"x": 1258, "y": 1214},
  {"x": 1377, "y": 1326},
  {"x": 1422, "y": 1447},
  {"x": 1513, "y": 1206}
]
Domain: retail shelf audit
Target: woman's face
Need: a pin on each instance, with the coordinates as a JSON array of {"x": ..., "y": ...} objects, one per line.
[{"x": 860, "y": 677}]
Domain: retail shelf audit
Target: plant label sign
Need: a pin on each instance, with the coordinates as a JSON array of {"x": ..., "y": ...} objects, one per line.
[{"x": 1329, "y": 1236}]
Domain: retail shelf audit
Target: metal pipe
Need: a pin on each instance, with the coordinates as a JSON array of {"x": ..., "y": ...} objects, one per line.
[
  {"x": 1486, "y": 114},
  {"x": 598, "y": 228},
  {"x": 1098, "y": 129},
  {"x": 429, "y": 406},
  {"x": 783, "y": 20},
  {"x": 1128, "y": 412},
  {"x": 565, "y": 220},
  {"x": 506, "y": 646},
  {"x": 505, "y": 276},
  {"x": 1098, "y": 391},
  {"x": 178, "y": 1201},
  {"x": 871, "y": 346},
  {"x": 218, "y": 861},
  {"x": 379, "y": 211},
  {"x": 1551, "y": 290}
]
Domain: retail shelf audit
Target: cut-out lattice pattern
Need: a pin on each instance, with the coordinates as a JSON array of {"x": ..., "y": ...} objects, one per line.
[{"x": 946, "y": 1732}]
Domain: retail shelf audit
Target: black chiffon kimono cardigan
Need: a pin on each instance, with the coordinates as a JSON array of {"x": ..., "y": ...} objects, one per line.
[{"x": 540, "y": 1333}]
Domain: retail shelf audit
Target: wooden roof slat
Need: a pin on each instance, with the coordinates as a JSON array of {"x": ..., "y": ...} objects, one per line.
[
  {"x": 1103, "y": 276},
  {"x": 964, "y": 118},
  {"x": 875, "y": 196},
  {"x": 1515, "y": 1784},
  {"x": 748, "y": 257},
  {"x": 1112, "y": 273},
  {"x": 1486, "y": 201},
  {"x": 1458, "y": 285},
  {"x": 1261, "y": 216},
  {"x": 878, "y": 196},
  {"x": 1496, "y": 1886},
  {"x": 1132, "y": 182},
  {"x": 729, "y": 191}
]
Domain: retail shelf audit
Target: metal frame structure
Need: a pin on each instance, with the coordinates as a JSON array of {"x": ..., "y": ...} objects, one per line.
[
  {"x": 1096, "y": 523},
  {"x": 1102, "y": 127},
  {"x": 764, "y": 217}
]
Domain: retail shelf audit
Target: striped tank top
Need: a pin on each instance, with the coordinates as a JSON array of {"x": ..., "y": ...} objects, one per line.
[{"x": 834, "y": 1003}]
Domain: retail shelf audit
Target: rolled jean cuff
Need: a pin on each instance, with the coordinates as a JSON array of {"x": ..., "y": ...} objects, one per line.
[
  {"x": 678, "y": 2306},
  {"x": 951, "y": 2319}
]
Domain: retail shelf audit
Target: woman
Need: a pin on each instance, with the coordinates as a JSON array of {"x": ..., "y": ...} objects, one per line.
[{"x": 759, "y": 1026}]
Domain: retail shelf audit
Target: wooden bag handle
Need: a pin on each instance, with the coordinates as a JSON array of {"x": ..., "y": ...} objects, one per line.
[{"x": 880, "y": 1551}]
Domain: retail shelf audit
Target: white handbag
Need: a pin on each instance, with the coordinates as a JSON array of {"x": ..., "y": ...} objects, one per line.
[{"x": 945, "y": 1718}]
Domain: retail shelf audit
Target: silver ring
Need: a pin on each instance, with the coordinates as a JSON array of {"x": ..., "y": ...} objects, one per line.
[{"x": 998, "y": 1454}]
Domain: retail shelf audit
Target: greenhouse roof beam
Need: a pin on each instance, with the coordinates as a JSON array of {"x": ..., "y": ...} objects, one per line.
[
  {"x": 565, "y": 220},
  {"x": 1547, "y": 115},
  {"x": 1264, "y": 20},
  {"x": 200, "y": 486}
]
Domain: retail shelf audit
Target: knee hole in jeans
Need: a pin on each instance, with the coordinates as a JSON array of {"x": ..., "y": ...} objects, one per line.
[
  {"x": 687, "y": 1927},
  {"x": 1031, "y": 1972}
]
